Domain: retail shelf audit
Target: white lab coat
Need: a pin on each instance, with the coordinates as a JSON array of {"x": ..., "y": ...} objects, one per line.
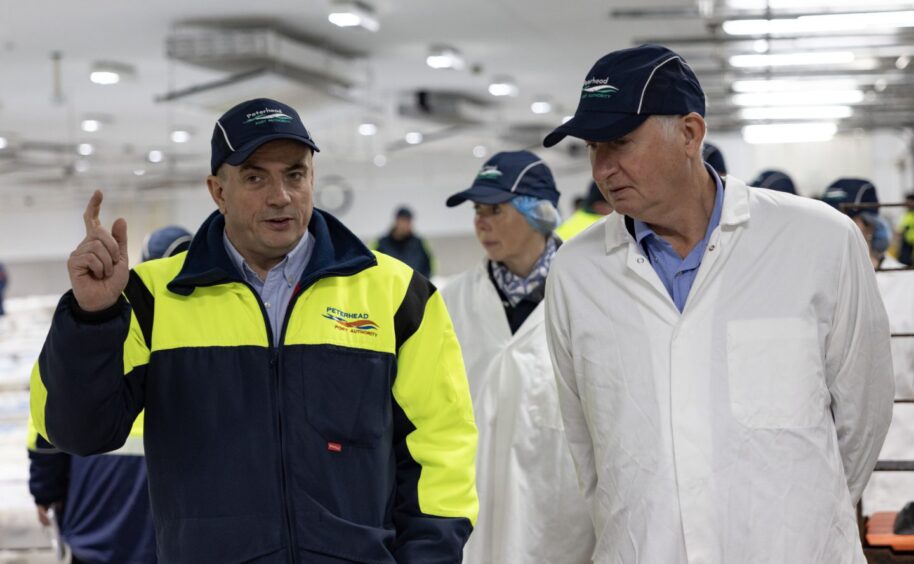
[
  {"x": 890, "y": 491},
  {"x": 530, "y": 507},
  {"x": 745, "y": 428}
]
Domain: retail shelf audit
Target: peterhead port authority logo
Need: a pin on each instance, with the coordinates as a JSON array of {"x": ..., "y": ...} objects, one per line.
[
  {"x": 352, "y": 322},
  {"x": 267, "y": 115},
  {"x": 598, "y": 88},
  {"x": 490, "y": 172}
]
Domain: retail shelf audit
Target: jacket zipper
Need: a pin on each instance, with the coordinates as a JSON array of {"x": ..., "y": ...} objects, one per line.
[{"x": 277, "y": 388}]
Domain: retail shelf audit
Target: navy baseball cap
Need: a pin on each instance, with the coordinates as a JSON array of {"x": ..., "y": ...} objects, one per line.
[
  {"x": 774, "y": 180},
  {"x": 509, "y": 174},
  {"x": 712, "y": 155},
  {"x": 625, "y": 87},
  {"x": 244, "y": 128},
  {"x": 851, "y": 191}
]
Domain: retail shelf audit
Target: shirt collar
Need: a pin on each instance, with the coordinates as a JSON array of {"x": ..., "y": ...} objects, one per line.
[
  {"x": 642, "y": 230},
  {"x": 291, "y": 265}
]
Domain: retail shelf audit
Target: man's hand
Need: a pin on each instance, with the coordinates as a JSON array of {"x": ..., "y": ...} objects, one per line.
[
  {"x": 98, "y": 267},
  {"x": 43, "y": 516}
]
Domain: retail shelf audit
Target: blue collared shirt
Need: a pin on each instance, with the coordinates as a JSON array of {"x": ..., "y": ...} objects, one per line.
[
  {"x": 677, "y": 273},
  {"x": 276, "y": 290}
]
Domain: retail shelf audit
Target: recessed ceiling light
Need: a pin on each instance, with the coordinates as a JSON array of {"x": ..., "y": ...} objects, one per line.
[
  {"x": 445, "y": 58},
  {"x": 479, "y": 151},
  {"x": 3, "y": 143},
  {"x": 368, "y": 129},
  {"x": 346, "y": 13},
  {"x": 107, "y": 73},
  {"x": 797, "y": 113},
  {"x": 799, "y": 98},
  {"x": 503, "y": 86},
  {"x": 541, "y": 106},
  {"x": 820, "y": 23},
  {"x": 81, "y": 165},
  {"x": 380, "y": 160},
  {"x": 90, "y": 125},
  {"x": 414, "y": 138},
  {"x": 155, "y": 156},
  {"x": 85, "y": 149},
  {"x": 139, "y": 172},
  {"x": 180, "y": 136}
]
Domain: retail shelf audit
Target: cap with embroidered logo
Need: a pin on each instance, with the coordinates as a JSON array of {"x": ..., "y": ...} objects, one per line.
[
  {"x": 625, "y": 87},
  {"x": 244, "y": 128},
  {"x": 845, "y": 193},
  {"x": 509, "y": 174}
]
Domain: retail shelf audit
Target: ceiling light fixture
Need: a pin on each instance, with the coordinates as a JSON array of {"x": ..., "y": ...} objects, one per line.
[
  {"x": 503, "y": 86},
  {"x": 797, "y": 113},
  {"x": 800, "y": 98},
  {"x": 368, "y": 129},
  {"x": 414, "y": 138},
  {"x": 820, "y": 23},
  {"x": 789, "y": 132},
  {"x": 4, "y": 143},
  {"x": 90, "y": 125},
  {"x": 541, "y": 106},
  {"x": 85, "y": 149},
  {"x": 180, "y": 136},
  {"x": 81, "y": 165},
  {"x": 479, "y": 151},
  {"x": 155, "y": 156},
  {"x": 805, "y": 4},
  {"x": 793, "y": 59},
  {"x": 444, "y": 57},
  {"x": 348, "y": 13},
  {"x": 380, "y": 160},
  {"x": 783, "y": 85},
  {"x": 107, "y": 73},
  {"x": 139, "y": 172}
]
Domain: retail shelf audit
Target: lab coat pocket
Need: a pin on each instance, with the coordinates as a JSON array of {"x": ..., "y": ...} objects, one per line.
[
  {"x": 776, "y": 373},
  {"x": 347, "y": 394}
]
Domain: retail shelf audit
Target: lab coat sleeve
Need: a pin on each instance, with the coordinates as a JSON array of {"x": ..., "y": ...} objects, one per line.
[
  {"x": 858, "y": 364},
  {"x": 577, "y": 432}
]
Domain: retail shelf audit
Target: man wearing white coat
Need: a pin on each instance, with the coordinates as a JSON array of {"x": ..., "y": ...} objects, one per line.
[
  {"x": 722, "y": 354},
  {"x": 531, "y": 509}
]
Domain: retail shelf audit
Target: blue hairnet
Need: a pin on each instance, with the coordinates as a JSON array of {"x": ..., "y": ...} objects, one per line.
[
  {"x": 541, "y": 214},
  {"x": 882, "y": 232}
]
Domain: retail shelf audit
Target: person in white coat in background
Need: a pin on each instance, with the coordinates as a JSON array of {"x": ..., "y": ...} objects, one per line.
[
  {"x": 722, "y": 353},
  {"x": 886, "y": 491},
  {"x": 531, "y": 509}
]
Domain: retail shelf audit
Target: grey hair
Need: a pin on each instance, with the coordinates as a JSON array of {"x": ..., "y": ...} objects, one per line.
[{"x": 668, "y": 124}]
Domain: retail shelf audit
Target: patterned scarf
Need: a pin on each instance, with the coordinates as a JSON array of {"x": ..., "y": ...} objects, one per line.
[{"x": 515, "y": 288}]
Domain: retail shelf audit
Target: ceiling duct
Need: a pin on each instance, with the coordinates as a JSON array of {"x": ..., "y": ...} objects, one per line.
[
  {"x": 446, "y": 107},
  {"x": 263, "y": 62}
]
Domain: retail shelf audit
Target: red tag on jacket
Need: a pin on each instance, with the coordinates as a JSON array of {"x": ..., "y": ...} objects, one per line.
[{"x": 334, "y": 447}]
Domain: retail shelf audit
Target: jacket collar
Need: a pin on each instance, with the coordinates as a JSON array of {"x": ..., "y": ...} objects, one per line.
[
  {"x": 735, "y": 212},
  {"x": 337, "y": 252}
]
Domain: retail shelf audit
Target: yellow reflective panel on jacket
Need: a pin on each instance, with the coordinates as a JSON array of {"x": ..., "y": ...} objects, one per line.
[
  {"x": 348, "y": 311},
  {"x": 224, "y": 315},
  {"x": 432, "y": 390},
  {"x": 579, "y": 221}
]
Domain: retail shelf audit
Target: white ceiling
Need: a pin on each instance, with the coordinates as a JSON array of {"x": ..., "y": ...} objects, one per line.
[{"x": 546, "y": 45}]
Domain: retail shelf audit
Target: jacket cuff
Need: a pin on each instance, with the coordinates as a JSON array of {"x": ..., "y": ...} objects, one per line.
[{"x": 94, "y": 317}]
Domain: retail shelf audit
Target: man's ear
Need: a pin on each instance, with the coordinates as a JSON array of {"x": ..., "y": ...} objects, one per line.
[
  {"x": 216, "y": 187},
  {"x": 694, "y": 129}
]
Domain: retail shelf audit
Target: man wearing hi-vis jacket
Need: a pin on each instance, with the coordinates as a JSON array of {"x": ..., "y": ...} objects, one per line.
[{"x": 305, "y": 399}]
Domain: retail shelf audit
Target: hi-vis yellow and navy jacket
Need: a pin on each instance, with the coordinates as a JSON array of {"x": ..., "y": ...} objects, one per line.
[{"x": 351, "y": 441}]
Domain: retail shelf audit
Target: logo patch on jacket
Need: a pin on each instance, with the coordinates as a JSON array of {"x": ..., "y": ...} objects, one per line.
[{"x": 351, "y": 322}]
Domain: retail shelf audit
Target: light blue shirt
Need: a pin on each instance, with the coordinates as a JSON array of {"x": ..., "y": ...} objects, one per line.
[
  {"x": 677, "y": 273},
  {"x": 276, "y": 291}
]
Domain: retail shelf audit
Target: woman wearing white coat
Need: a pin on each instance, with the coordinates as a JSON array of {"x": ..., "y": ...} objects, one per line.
[
  {"x": 531, "y": 509},
  {"x": 887, "y": 491}
]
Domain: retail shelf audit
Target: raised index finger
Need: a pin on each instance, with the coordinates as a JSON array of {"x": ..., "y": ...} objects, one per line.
[{"x": 90, "y": 217}]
